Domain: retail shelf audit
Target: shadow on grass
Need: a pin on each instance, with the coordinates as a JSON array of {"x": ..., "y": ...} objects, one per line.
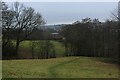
[{"x": 107, "y": 60}]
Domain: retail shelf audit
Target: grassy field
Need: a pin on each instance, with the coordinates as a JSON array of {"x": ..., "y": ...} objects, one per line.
[
  {"x": 59, "y": 48},
  {"x": 25, "y": 50},
  {"x": 66, "y": 67},
  {"x": 0, "y": 69}
]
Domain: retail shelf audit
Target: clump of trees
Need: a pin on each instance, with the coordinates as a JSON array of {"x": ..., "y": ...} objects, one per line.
[
  {"x": 44, "y": 49},
  {"x": 18, "y": 22},
  {"x": 91, "y": 38},
  {"x": 22, "y": 23}
]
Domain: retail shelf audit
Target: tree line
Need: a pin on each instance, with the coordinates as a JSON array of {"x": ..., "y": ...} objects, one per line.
[{"x": 91, "y": 38}]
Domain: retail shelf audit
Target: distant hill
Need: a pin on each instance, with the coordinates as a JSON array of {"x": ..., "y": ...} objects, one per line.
[{"x": 55, "y": 27}]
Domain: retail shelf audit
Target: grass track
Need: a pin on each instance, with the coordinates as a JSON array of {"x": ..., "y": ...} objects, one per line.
[
  {"x": 67, "y": 67},
  {"x": 52, "y": 69}
]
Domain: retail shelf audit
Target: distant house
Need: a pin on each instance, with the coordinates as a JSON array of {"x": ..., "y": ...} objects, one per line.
[
  {"x": 56, "y": 36},
  {"x": 55, "y": 33}
]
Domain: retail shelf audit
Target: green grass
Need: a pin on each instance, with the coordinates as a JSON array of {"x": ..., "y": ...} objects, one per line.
[
  {"x": 67, "y": 67},
  {"x": 59, "y": 47},
  {"x": 25, "y": 48},
  {"x": 0, "y": 69}
]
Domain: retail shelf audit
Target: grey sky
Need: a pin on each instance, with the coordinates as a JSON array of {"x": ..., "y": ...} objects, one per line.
[{"x": 68, "y": 12}]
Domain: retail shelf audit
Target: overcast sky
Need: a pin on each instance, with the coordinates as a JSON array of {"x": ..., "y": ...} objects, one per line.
[{"x": 68, "y": 12}]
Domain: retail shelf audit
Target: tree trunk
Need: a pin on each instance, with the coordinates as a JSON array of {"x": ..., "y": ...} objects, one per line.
[
  {"x": 47, "y": 55},
  {"x": 119, "y": 40},
  {"x": 17, "y": 47},
  {"x": 33, "y": 53}
]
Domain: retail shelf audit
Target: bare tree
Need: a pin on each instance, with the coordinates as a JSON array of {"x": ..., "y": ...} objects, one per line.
[
  {"x": 7, "y": 19},
  {"x": 32, "y": 47},
  {"x": 25, "y": 20},
  {"x": 116, "y": 15}
]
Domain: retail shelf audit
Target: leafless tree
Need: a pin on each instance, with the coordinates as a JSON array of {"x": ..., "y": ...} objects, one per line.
[
  {"x": 25, "y": 20},
  {"x": 32, "y": 48},
  {"x": 116, "y": 15},
  {"x": 7, "y": 18}
]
